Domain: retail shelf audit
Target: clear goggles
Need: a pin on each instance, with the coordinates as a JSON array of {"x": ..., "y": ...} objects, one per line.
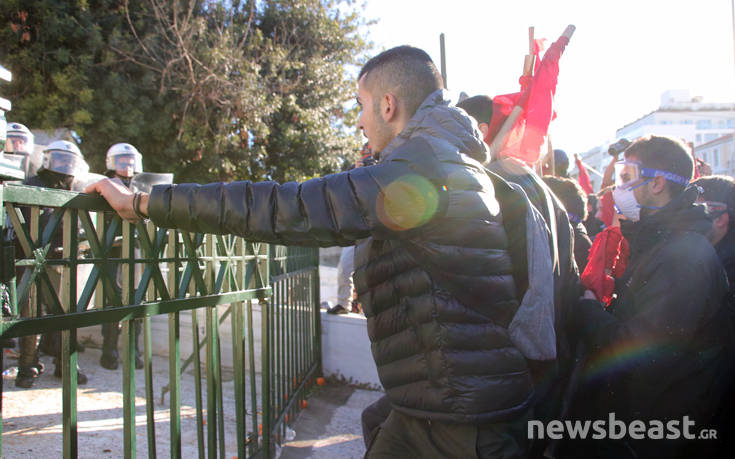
[
  {"x": 64, "y": 162},
  {"x": 628, "y": 173},
  {"x": 20, "y": 144},
  {"x": 126, "y": 163},
  {"x": 714, "y": 208}
]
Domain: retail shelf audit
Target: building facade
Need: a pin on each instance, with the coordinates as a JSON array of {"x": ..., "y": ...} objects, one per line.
[
  {"x": 699, "y": 123},
  {"x": 719, "y": 154}
]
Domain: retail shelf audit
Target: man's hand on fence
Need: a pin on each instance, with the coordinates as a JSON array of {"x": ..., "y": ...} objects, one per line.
[{"x": 119, "y": 197}]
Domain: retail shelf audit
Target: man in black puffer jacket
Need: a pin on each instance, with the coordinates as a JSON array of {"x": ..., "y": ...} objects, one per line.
[
  {"x": 435, "y": 276},
  {"x": 662, "y": 350}
]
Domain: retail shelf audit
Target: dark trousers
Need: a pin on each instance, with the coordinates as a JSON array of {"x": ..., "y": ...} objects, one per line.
[
  {"x": 391, "y": 434},
  {"x": 29, "y": 344}
]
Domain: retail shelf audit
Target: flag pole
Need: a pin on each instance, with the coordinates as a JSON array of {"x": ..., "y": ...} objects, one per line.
[
  {"x": 552, "y": 156},
  {"x": 443, "y": 53},
  {"x": 499, "y": 141}
]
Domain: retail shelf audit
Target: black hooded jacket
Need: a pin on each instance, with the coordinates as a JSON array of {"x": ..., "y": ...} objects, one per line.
[
  {"x": 434, "y": 278},
  {"x": 725, "y": 249},
  {"x": 662, "y": 350}
]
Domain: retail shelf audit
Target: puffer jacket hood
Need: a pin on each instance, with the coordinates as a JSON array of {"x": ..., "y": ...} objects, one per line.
[{"x": 436, "y": 120}]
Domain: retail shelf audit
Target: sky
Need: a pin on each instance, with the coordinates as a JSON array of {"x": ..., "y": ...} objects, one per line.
[{"x": 623, "y": 55}]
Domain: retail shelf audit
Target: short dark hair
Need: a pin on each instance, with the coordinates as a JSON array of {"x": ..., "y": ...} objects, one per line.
[
  {"x": 719, "y": 188},
  {"x": 479, "y": 107},
  {"x": 664, "y": 153},
  {"x": 405, "y": 70},
  {"x": 570, "y": 194}
]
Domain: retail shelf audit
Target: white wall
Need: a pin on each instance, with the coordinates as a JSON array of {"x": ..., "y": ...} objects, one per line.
[{"x": 345, "y": 344}]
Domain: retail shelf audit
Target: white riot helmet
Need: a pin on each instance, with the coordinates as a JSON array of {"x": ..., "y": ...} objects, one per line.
[
  {"x": 20, "y": 140},
  {"x": 124, "y": 160},
  {"x": 64, "y": 157}
]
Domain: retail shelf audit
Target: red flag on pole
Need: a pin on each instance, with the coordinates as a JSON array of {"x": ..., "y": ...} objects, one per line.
[
  {"x": 584, "y": 177},
  {"x": 536, "y": 99}
]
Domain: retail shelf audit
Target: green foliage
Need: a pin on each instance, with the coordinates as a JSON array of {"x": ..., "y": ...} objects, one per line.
[{"x": 210, "y": 90}]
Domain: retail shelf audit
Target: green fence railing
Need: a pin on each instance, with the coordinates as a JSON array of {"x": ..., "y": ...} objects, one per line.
[{"x": 139, "y": 272}]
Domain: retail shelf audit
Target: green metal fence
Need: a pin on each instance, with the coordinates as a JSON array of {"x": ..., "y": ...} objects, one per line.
[{"x": 169, "y": 272}]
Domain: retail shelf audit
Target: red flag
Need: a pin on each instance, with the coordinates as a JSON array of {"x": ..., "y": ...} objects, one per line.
[
  {"x": 607, "y": 208},
  {"x": 584, "y": 177},
  {"x": 536, "y": 98},
  {"x": 607, "y": 261}
]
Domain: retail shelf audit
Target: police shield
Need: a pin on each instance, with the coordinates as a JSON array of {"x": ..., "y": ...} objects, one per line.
[
  {"x": 84, "y": 180},
  {"x": 146, "y": 180}
]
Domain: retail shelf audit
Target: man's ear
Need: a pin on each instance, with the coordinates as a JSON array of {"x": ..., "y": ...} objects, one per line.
[
  {"x": 723, "y": 221},
  {"x": 483, "y": 127},
  {"x": 389, "y": 107},
  {"x": 658, "y": 184}
]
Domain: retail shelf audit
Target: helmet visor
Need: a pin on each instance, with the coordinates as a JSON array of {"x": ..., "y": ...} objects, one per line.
[
  {"x": 65, "y": 162},
  {"x": 21, "y": 144},
  {"x": 127, "y": 164}
]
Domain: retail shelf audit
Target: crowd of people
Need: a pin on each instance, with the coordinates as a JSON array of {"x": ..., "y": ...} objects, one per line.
[
  {"x": 62, "y": 166},
  {"x": 496, "y": 295}
]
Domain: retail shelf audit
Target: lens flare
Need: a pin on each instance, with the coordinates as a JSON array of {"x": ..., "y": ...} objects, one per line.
[{"x": 406, "y": 203}]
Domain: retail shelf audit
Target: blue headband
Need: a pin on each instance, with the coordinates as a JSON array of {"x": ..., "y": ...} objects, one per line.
[{"x": 671, "y": 177}]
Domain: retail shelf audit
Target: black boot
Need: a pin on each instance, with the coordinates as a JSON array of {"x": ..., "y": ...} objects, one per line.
[
  {"x": 27, "y": 376},
  {"x": 110, "y": 333}
]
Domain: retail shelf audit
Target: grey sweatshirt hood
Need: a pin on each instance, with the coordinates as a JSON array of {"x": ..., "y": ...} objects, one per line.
[{"x": 438, "y": 121}]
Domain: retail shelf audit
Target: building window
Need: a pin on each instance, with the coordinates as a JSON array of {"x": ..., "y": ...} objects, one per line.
[
  {"x": 704, "y": 124},
  {"x": 731, "y": 124},
  {"x": 715, "y": 158},
  {"x": 687, "y": 122},
  {"x": 699, "y": 138},
  {"x": 710, "y": 137}
]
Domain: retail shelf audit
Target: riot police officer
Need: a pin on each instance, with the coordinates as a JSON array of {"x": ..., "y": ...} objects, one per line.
[
  {"x": 123, "y": 162},
  {"x": 20, "y": 142},
  {"x": 62, "y": 161}
]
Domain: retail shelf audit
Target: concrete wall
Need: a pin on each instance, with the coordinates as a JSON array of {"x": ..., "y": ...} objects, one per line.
[{"x": 346, "y": 349}]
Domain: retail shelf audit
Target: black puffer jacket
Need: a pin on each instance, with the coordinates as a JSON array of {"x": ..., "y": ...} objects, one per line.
[{"x": 435, "y": 276}]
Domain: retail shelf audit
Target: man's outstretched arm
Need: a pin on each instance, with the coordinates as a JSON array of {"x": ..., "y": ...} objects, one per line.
[
  {"x": 120, "y": 198},
  {"x": 333, "y": 210}
]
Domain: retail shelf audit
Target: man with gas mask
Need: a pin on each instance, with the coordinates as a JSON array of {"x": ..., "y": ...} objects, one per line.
[
  {"x": 660, "y": 352},
  {"x": 62, "y": 161},
  {"x": 123, "y": 162}
]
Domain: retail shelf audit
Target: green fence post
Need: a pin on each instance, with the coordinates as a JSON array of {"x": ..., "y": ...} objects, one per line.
[
  {"x": 68, "y": 287},
  {"x": 128, "y": 347},
  {"x": 174, "y": 357}
]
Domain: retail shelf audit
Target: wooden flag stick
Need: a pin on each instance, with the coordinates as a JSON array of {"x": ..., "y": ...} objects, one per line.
[
  {"x": 552, "y": 157},
  {"x": 499, "y": 141}
]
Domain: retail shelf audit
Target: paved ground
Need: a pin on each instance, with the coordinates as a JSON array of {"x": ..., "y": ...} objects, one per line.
[{"x": 328, "y": 428}]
